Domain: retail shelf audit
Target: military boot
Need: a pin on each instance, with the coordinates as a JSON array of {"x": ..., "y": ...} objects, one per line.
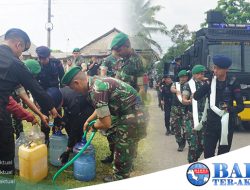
[
  {"x": 108, "y": 160},
  {"x": 180, "y": 149},
  {"x": 109, "y": 178},
  {"x": 181, "y": 145}
]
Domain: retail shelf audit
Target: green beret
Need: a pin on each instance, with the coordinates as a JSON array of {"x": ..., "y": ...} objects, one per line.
[
  {"x": 33, "y": 66},
  {"x": 198, "y": 69},
  {"x": 76, "y": 50},
  {"x": 182, "y": 73},
  {"x": 67, "y": 78},
  {"x": 119, "y": 40}
]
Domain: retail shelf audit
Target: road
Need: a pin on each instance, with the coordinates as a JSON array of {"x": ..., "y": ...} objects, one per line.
[{"x": 161, "y": 151}]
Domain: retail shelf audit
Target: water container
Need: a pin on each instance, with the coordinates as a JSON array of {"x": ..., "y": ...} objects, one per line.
[
  {"x": 33, "y": 162},
  {"x": 58, "y": 145},
  {"x": 20, "y": 141},
  {"x": 36, "y": 135},
  {"x": 85, "y": 165}
]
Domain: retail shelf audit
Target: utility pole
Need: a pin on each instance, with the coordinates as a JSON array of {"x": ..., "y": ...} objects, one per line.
[{"x": 49, "y": 25}]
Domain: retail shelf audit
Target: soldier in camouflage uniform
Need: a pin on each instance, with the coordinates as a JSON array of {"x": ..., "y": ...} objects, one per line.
[
  {"x": 77, "y": 58},
  {"x": 178, "y": 110},
  {"x": 195, "y": 138},
  {"x": 128, "y": 68},
  {"x": 111, "y": 96},
  {"x": 111, "y": 63}
]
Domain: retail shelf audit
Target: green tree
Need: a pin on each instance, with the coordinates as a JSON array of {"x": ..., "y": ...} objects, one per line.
[
  {"x": 235, "y": 11},
  {"x": 182, "y": 38},
  {"x": 143, "y": 23}
]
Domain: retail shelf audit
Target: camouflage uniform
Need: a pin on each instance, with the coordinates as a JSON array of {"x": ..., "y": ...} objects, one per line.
[
  {"x": 194, "y": 138},
  {"x": 110, "y": 62},
  {"x": 78, "y": 61},
  {"x": 178, "y": 111},
  {"x": 130, "y": 70},
  {"x": 114, "y": 97}
]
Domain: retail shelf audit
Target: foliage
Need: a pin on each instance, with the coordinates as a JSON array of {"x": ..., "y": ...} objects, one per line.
[
  {"x": 143, "y": 23},
  {"x": 182, "y": 39},
  {"x": 235, "y": 11},
  {"x": 66, "y": 179}
]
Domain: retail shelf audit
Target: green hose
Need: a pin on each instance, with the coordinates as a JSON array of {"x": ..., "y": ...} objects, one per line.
[{"x": 78, "y": 154}]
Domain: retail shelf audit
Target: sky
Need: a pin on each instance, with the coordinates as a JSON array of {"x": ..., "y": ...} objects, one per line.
[{"x": 78, "y": 22}]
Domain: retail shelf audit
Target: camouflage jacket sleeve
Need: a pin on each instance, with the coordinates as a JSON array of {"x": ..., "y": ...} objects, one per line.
[
  {"x": 138, "y": 69},
  {"x": 132, "y": 71},
  {"x": 100, "y": 97}
]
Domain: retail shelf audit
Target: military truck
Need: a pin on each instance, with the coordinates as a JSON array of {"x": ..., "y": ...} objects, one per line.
[{"x": 232, "y": 40}]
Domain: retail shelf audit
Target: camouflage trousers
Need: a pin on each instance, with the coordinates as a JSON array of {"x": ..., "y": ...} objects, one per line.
[
  {"x": 177, "y": 123},
  {"x": 194, "y": 138},
  {"x": 125, "y": 149},
  {"x": 110, "y": 133}
]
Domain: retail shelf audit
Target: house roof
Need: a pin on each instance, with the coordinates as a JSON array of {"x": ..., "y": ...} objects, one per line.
[
  {"x": 101, "y": 45},
  {"x": 31, "y": 51}
]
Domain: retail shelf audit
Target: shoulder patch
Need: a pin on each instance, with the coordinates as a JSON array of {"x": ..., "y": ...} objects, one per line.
[{"x": 100, "y": 85}]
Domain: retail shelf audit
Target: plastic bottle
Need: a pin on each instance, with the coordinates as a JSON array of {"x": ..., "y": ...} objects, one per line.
[
  {"x": 58, "y": 144},
  {"x": 36, "y": 135},
  {"x": 20, "y": 141},
  {"x": 85, "y": 165}
]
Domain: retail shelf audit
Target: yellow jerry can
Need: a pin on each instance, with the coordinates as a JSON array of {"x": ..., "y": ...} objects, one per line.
[{"x": 33, "y": 162}]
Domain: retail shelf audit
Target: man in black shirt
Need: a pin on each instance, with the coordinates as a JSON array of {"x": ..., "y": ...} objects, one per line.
[
  {"x": 77, "y": 109},
  {"x": 51, "y": 69},
  {"x": 13, "y": 73},
  {"x": 221, "y": 92},
  {"x": 50, "y": 75},
  {"x": 93, "y": 66},
  {"x": 166, "y": 100}
]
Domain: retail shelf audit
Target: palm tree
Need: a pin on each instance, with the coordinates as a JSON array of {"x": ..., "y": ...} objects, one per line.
[{"x": 143, "y": 23}]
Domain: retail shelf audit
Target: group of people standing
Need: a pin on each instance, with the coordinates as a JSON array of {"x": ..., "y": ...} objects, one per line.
[
  {"x": 113, "y": 99},
  {"x": 200, "y": 110}
]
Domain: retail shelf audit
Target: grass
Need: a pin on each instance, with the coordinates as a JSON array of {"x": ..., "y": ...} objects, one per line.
[{"x": 66, "y": 179}]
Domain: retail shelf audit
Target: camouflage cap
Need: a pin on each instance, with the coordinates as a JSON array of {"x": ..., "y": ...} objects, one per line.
[
  {"x": 198, "y": 69},
  {"x": 182, "y": 73},
  {"x": 33, "y": 66},
  {"x": 67, "y": 78},
  {"x": 118, "y": 41}
]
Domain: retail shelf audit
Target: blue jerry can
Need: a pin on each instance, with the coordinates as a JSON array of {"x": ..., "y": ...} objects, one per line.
[
  {"x": 58, "y": 145},
  {"x": 85, "y": 165}
]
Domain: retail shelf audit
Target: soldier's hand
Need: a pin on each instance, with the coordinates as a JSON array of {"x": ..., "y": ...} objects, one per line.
[
  {"x": 162, "y": 102},
  {"x": 45, "y": 120},
  {"x": 85, "y": 126},
  {"x": 64, "y": 157},
  {"x": 178, "y": 93},
  {"x": 54, "y": 113},
  {"x": 205, "y": 79},
  {"x": 34, "y": 122}
]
